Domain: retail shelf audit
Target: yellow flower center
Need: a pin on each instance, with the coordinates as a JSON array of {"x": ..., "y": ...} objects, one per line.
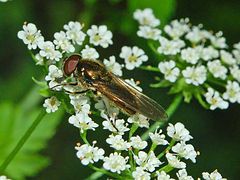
[{"x": 132, "y": 58}]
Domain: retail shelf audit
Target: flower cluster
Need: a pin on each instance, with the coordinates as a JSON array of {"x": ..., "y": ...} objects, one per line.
[
  {"x": 49, "y": 54},
  {"x": 132, "y": 155},
  {"x": 193, "y": 61}
]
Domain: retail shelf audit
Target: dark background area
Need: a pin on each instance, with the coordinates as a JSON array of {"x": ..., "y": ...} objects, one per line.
[{"x": 216, "y": 133}]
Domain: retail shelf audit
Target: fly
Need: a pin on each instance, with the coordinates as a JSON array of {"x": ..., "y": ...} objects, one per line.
[{"x": 93, "y": 75}]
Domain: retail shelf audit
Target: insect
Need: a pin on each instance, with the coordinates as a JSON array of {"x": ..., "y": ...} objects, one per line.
[{"x": 93, "y": 75}]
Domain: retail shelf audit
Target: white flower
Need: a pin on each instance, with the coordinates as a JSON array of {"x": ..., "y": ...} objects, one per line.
[
  {"x": 115, "y": 163},
  {"x": 133, "y": 57},
  {"x": 74, "y": 33},
  {"x": 119, "y": 124},
  {"x": 82, "y": 121},
  {"x": 217, "y": 69},
  {"x": 195, "y": 75},
  {"x": 215, "y": 175},
  {"x": 54, "y": 85},
  {"x": 149, "y": 32},
  {"x": 61, "y": 41},
  {"x": 51, "y": 104},
  {"x": 89, "y": 53},
  {"x": 209, "y": 53},
  {"x": 227, "y": 57},
  {"x": 140, "y": 174},
  {"x": 218, "y": 41},
  {"x": 53, "y": 73},
  {"x": 232, "y": 92},
  {"x": 177, "y": 28},
  {"x": 134, "y": 84},
  {"x": 214, "y": 99},
  {"x": 182, "y": 175},
  {"x": 146, "y": 17},
  {"x": 163, "y": 176},
  {"x": 196, "y": 35},
  {"x": 138, "y": 143},
  {"x": 191, "y": 55},
  {"x": 236, "y": 54},
  {"x": 39, "y": 59},
  {"x": 79, "y": 97},
  {"x": 48, "y": 51},
  {"x": 148, "y": 162},
  {"x": 178, "y": 132},
  {"x": 89, "y": 154},
  {"x": 80, "y": 103},
  {"x": 237, "y": 46},
  {"x": 30, "y": 35},
  {"x": 175, "y": 162},
  {"x": 117, "y": 142},
  {"x": 72, "y": 89},
  {"x": 185, "y": 150},
  {"x": 170, "y": 47},
  {"x": 4, "y": 177},
  {"x": 113, "y": 66},
  {"x": 139, "y": 119},
  {"x": 100, "y": 36},
  {"x": 158, "y": 138},
  {"x": 235, "y": 72},
  {"x": 169, "y": 69}
]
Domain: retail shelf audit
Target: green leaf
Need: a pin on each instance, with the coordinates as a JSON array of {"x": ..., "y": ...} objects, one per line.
[
  {"x": 162, "y": 9},
  {"x": 14, "y": 121}
]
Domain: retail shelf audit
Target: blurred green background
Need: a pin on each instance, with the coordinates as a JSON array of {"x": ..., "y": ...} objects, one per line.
[{"x": 216, "y": 134}]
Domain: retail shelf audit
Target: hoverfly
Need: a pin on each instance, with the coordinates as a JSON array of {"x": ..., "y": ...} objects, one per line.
[{"x": 93, "y": 75}]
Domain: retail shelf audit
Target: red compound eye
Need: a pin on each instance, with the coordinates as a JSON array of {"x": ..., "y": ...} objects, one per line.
[{"x": 70, "y": 64}]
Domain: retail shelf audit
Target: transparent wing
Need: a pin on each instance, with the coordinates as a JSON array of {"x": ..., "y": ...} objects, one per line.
[{"x": 130, "y": 99}]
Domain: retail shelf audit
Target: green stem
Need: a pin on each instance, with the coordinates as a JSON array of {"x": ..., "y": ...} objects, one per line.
[
  {"x": 133, "y": 130},
  {"x": 166, "y": 168},
  {"x": 22, "y": 141},
  {"x": 95, "y": 175},
  {"x": 216, "y": 82},
  {"x": 170, "y": 110},
  {"x": 131, "y": 161},
  {"x": 84, "y": 137},
  {"x": 152, "y": 47},
  {"x": 149, "y": 68},
  {"x": 103, "y": 171},
  {"x": 167, "y": 149},
  {"x": 153, "y": 147}
]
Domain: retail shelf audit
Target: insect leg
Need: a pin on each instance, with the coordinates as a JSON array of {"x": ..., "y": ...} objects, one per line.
[
  {"x": 71, "y": 84},
  {"x": 108, "y": 113},
  {"x": 65, "y": 84},
  {"x": 76, "y": 92}
]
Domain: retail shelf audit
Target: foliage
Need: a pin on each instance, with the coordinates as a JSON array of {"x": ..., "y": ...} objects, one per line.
[{"x": 14, "y": 121}]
